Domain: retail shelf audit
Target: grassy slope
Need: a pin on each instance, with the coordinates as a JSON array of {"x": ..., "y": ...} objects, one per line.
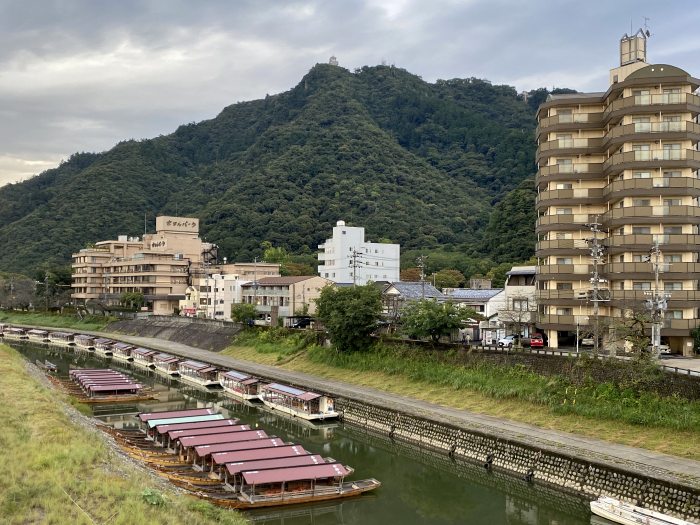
[
  {"x": 91, "y": 323},
  {"x": 47, "y": 460},
  {"x": 626, "y": 421}
]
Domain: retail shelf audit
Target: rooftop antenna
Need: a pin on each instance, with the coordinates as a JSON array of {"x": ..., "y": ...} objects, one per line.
[{"x": 646, "y": 27}]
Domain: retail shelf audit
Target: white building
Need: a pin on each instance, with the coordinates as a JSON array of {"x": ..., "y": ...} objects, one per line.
[{"x": 348, "y": 258}]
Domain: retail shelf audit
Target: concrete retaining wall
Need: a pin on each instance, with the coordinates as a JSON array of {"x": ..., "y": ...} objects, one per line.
[{"x": 529, "y": 463}]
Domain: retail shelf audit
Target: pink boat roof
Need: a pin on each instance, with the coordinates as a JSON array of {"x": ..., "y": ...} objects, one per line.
[
  {"x": 113, "y": 388},
  {"x": 104, "y": 340},
  {"x": 162, "y": 429},
  {"x": 291, "y": 461},
  {"x": 144, "y": 351},
  {"x": 177, "y": 434},
  {"x": 280, "y": 475},
  {"x": 123, "y": 346},
  {"x": 165, "y": 358},
  {"x": 290, "y": 391},
  {"x": 195, "y": 365},
  {"x": 283, "y": 451},
  {"x": 36, "y": 331},
  {"x": 85, "y": 336},
  {"x": 230, "y": 437},
  {"x": 205, "y": 450},
  {"x": 147, "y": 416}
]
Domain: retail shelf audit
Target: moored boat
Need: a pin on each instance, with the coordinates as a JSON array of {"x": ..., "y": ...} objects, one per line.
[
  {"x": 122, "y": 351},
  {"x": 85, "y": 341},
  {"x": 298, "y": 403},
  {"x": 198, "y": 373},
  {"x": 240, "y": 384},
  {"x": 14, "y": 332},
  {"x": 621, "y": 512},
  {"x": 38, "y": 335},
  {"x": 166, "y": 363},
  {"x": 62, "y": 338},
  {"x": 104, "y": 346},
  {"x": 143, "y": 357}
]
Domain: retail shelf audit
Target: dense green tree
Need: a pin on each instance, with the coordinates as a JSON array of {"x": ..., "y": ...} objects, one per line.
[
  {"x": 449, "y": 278},
  {"x": 410, "y": 275},
  {"x": 350, "y": 314},
  {"x": 429, "y": 318},
  {"x": 243, "y": 313},
  {"x": 133, "y": 300}
]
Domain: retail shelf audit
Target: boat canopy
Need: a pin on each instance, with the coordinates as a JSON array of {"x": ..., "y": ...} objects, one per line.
[
  {"x": 36, "y": 331},
  {"x": 123, "y": 346},
  {"x": 178, "y": 434},
  {"x": 289, "y": 391},
  {"x": 205, "y": 450},
  {"x": 291, "y": 461},
  {"x": 280, "y": 475},
  {"x": 194, "y": 365},
  {"x": 103, "y": 341},
  {"x": 165, "y": 358},
  {"x": 144, "y": 352},
  {"x": 283, "y": 451},
  {"x": 230, "y": 437},
  {"x": 239, "y": 376},
  {"x": 162, "y": 429},
  {"x": 147, "y": 416}
]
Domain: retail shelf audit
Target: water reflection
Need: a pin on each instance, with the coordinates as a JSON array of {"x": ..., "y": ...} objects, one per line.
[{"x": 418, "y": 486}]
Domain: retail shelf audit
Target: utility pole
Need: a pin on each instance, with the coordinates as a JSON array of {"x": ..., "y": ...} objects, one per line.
[
  {"x": 658, "y": 301},
  {"x": 421, "y": 264},
  {"x": 356, "y": 258},
  {"x": 597, "y": 251},
  {"x": 255, "y": 281},
  {"x": 46, "y": 289}
]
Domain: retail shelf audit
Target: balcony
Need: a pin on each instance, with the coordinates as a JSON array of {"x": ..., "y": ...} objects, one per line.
[
  {"x": 648, "y": 131},
  {"x": 567, "y": 222},
  {"x": 558, "y": 322},
  {"x": 569, "y": 196},
  {"x": 652, "y": 215},
  {"x": 643, "y": 242},
  {"x": 667, "y": 102},
  {"x": 666, "y": 186},
  {"x": 644, "y": 270},
  {"x": 649, "y": 159},
  {"x": 569, "y": 122},
  {"x": 561, "y": 247},
  {"x": 561, "y": 147},
  {"x": 677, "y": 299},
  {"x": 563, "y": 272}
]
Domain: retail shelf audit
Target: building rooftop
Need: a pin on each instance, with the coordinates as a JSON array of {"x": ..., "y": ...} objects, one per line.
[
  {"x": 473, "y": 293},
  {"x": 416, "y": 290},
  {"x": 522, "y": 270}
]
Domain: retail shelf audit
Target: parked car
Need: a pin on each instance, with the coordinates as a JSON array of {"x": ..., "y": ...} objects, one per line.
[
  {"x": 303, "y": 322},
  {"x": 508, "y": 341},
  {"x": 663, "y": 349},
  {"x": 587, "y": 341},
  {"x": 536, "y": 341}
]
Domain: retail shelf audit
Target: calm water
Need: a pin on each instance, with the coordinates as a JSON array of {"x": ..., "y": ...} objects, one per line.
[{"x": 417, "y": 486}]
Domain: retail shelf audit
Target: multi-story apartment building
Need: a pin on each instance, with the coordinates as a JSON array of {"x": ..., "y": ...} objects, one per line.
[
  {"x": 283, "y": 297},
  {"x": 348, "y": 258},
  {"x": 628, "y": 159},
  {"x": 158, "y": 266}
]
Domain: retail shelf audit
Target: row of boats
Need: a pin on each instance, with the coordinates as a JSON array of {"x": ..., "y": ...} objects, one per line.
[
  {"x": 284, "y": 398},
  {"x": 232, "y": 465}
]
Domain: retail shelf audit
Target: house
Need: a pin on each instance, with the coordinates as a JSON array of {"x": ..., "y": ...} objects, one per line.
[
  {"x": 396, "y": 295},
  {"x": 284, "y": 297},
  {"x": 486, "y": 302}
]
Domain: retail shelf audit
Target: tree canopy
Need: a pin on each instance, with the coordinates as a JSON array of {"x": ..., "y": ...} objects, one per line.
[{"x": 429, "y": 318}]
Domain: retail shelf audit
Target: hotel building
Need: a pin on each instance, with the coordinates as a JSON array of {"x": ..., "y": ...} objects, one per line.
[{"x": 627, "y": 159}]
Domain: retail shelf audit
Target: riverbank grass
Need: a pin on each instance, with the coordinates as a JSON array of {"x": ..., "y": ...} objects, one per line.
[
  {"x": 662, "y": 424},
  {"x": 55, "y": 471},
  {"x": 90, "y": 322}
]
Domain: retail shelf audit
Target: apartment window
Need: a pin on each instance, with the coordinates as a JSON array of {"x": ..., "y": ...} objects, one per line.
[
  {"x": 641, "y": 175},
  {"x": 638, "y": 257},
  {"x": 564, "y": 286},
  {"x": 565, "y": 260},
  {"x": 672, "y": 174},
  {"x": 564, "y": 211},
  {"x": 563, "y": 236},
  {"x": 674, "y": 314},
  {"x": 564, "y": 185},
  {"x": 642, "y": 285},
  {"x": 641, "y": 230},
  {"x": 641, "y": 202},
  {"x": 673, "y": 285},
  {"x": 520, "y": 305},
  {"x": 672, "y": 257},
  {"x": 673, "y": 230},
  {"x": 565, "y": 311},
  {"x": 672, "y": 202}
]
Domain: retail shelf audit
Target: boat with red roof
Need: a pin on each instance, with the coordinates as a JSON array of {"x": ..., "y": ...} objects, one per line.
[{"x": 297, "y": 402}]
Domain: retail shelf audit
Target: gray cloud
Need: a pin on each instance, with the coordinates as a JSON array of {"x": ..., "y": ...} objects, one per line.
[{"x": 82, "y": 75}]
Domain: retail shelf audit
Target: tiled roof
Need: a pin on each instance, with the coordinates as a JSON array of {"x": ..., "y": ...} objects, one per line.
[
  {"x": 522, "y": 270},
  {"x": 416, "y": 290},
  {"x": 281, "y": 281},
  {"x": 471, "y": 293}
]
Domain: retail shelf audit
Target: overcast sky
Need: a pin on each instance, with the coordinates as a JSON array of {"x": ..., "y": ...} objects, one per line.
[{"x": 83, "y": 75}]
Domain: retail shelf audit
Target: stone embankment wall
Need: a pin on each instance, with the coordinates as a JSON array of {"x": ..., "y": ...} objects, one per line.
[
  {"x": 207, "y": 334},
  {"x": 574, "y": 474}
]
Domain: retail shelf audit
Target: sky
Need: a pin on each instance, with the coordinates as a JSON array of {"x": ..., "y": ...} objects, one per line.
[{"x": 83, "y": 75}]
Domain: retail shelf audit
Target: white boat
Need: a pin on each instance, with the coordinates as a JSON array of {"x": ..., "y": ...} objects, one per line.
[
  {"x": 628, "y": 514},
  {"x": 122, "y": 351},
  {"x": 62, "y": 338},
  {"x": 166, "y": 364},
  {"x": 85, "y": 341},
  {"x": 104, "y": 346},
  {"x": 298, "y": 403},
  {"x": 13, "y": 332},
  {"x": 143, "y": 357},
  {"x": 38, "y": 335},
  {"x": 240, "y": 385}
]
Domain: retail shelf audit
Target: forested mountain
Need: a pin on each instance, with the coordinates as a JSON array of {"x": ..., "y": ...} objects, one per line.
[{"x": 447, "y": 165}]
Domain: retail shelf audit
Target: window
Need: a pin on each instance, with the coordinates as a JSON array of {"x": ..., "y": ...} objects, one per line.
[
  {"x": 564, "y": 185},
  {"x": 563, "y": 235},
  {"x": 673, "y": 230},
  {"x": 674, "y": 314},
  {"x": 672, "y": 174},
  {"x": 564, "y": 211},
  {"x": 564, "y": 286},
  {"x": 637, "y": 257},
  {"x": 673, "y": 285},
  {"x": 520, "y": 305},
  {"x": 641, "y": 230},
  {"x": 643, "y": 285},
  {"x": 565, "y": 260},
  {"x": 672, "y": 202},
  {"x": 641, "y": 202},
  {"x": 641, "y": 175},
  {"x": 672, "y": 257},
  {"x": 565, "y": 311}
]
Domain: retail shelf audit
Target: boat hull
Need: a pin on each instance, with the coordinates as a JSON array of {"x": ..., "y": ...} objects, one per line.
[
  {"x": 199, "y": 382},
  {"x": 300, "y": 414},
  {"x": 240, "y": 395},
  {"x": 627, "y": 514}
]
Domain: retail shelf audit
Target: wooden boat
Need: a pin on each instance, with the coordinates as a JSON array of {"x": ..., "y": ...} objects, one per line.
[
  {"x": 240, "y": 385},
  {"x": 122, "y": 351},
  {"x": 62, "y": 338},
  {"x": 143, "y": 357},
  {"x": 298, "y": 403},
  {"x": 628, "y": 514},
  {"x": 14, "y": 332},
  {"x": 198, "y": 373},
  {"x": 104, "y": 346},
  {"x": 85, "y": 341},
  {"x": 35, "y": 334},
  {"x": 166, "y": 363}
]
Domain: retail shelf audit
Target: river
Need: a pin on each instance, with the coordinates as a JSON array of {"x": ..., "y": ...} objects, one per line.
[{"x": 418, "y": 486}]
